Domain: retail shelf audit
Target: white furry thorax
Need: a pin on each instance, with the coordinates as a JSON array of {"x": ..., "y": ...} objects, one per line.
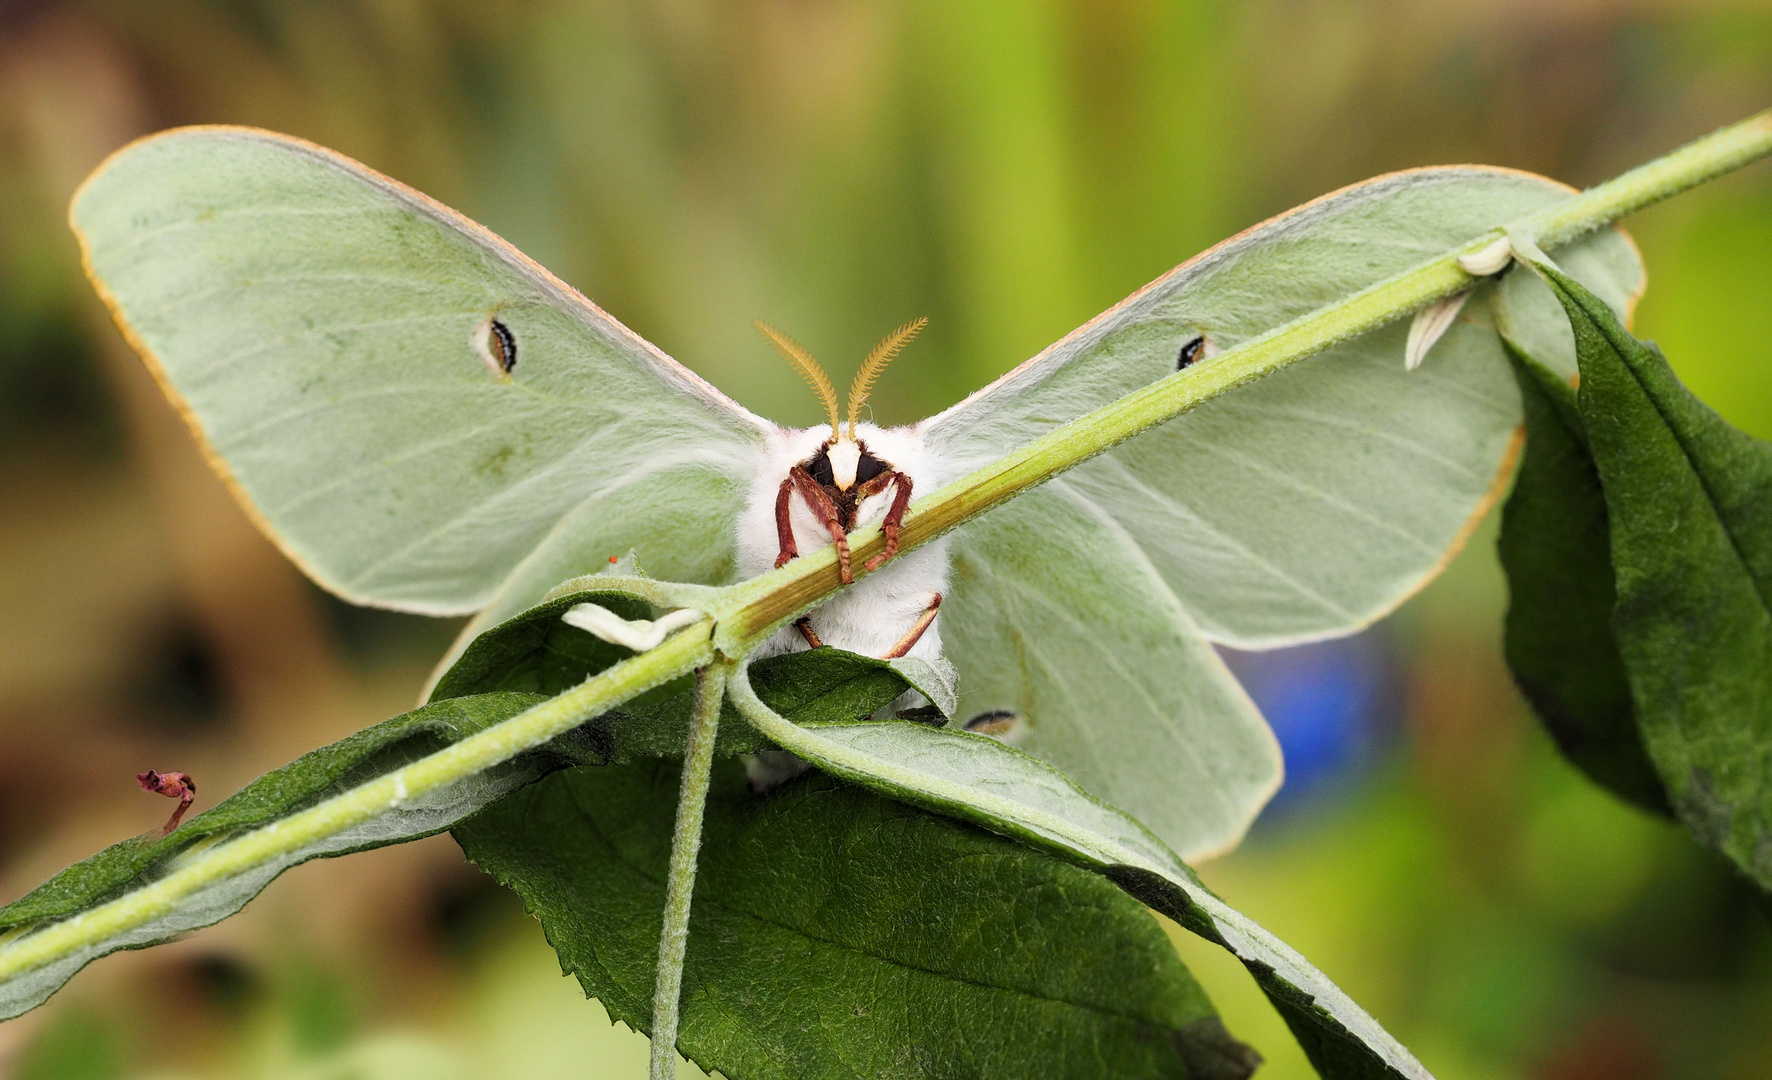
[{"x": 872, "y": 615}]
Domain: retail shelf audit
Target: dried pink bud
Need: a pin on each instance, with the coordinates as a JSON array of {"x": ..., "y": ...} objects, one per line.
[{"x": 173, "y": 785}]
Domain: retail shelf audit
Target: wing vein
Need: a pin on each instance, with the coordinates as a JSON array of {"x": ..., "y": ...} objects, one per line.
[
  {"x": 1255, "y": 464},
  {"x": 1501, "y": 408},
  {"x": 1126, "y": 677},
  {"x": 381, "y": 466},
  {"x": 1187, "y": 512},
  {"x": 209, "y": 373},
  {"x": 234, "y": 439},
  {"x": 218, "y": 215},
  {"x": 571, "y": 456},
  {"x": 1367, "y": 430},
  {"x": 415, "y": 285}
]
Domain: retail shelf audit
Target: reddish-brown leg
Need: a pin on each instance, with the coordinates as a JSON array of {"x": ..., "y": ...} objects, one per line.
[
  {"x": 894, "y": 521},
  {"x": 821, "y": 503},
  {"x": 804, "y": 625},
  {"x": 916, "y": 631},
  {"x": 784, "y": 526}
]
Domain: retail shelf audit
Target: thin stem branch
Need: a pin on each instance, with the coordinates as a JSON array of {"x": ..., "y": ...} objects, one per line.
[
  {"x": 747, "y": 613},
  {"x": 774, "y": 598},
  {"x": 688, "y": 649},
  {"x": 1717, "y": 154},
  {"x": 692, "y": 801}
]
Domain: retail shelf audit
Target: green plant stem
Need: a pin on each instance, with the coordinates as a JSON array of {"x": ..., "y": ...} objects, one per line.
[
  {"x": 687, "y": 649},
  {"x": 766, "y": 602},
  {"x": 692, "y": 801},
  {"x": 1717, "y": 154},
  {"x": 747, "y": 613}
]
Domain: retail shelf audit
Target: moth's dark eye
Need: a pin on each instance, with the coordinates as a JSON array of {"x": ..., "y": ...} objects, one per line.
[
  {"x": 820, "y": 468},
  {"x": 1190, "y": 351},
  {"x": 497, "y": 346},
  {"x": 869, "y": 467}
]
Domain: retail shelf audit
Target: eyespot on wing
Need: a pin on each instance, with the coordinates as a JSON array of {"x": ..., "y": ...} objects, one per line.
[
  {"x": 495, "y": 345},
  {"x": 1190, "y": 351}
]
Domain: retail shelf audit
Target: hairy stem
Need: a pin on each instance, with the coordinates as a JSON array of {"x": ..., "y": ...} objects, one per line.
[
  {"x": 772, "y": 599},
  {"x": 747, "y": 613},
  {"x": 688, "y": 649},
  {"x": 692, "y": 801}
]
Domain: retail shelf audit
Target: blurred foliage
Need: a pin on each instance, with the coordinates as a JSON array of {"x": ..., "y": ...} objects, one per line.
[
  {"x": 75, "y": 1045},
  {"x": 835, "y": 166}
]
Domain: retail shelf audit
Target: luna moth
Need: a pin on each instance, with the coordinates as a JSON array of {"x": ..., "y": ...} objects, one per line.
[{"x": 424, "y": 419}]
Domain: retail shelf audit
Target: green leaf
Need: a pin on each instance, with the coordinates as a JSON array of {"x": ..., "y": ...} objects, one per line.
[
  {"x": 137, "y": 862},
  {"x": 536, "y": 652},
  {"x": 838, "y": 934},
  {"x": 1556, "y": 550},
  {"x": 980, "y": 780},
  {"x": 1689, "y": 504},
  {"x": 831, "y": 686},
  {"x": 820, "y": 686}
]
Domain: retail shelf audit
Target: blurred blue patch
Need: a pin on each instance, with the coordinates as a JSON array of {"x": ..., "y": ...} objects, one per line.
[{"x": 1332, "y": 704}]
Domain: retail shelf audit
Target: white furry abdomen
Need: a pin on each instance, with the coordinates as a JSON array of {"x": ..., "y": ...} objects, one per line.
[{"x": 872, "y": 615}]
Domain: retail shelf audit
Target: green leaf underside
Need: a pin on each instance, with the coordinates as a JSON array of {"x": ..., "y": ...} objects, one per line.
[
  {"x": 306, "y": 780},
  {"x": 1689, "y": 503},
  {"x": 302, "y": 783},
  {"x": 838, "y": 934},
  {"x": 1555, "y": 549},
  {"x": 536, "y": 652},
  {"x": 821, "y": 686},
  {"x": 978, "y": 779}
]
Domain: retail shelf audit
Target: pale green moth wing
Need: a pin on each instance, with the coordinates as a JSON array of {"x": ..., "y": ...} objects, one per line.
[
  {"x": 325, "y": 329},
  {"x": 1061, "y": 618},
  {"x": 1310, "y": 502}
]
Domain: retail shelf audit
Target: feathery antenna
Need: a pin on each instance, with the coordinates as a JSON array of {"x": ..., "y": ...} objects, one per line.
[
  {"x": 876, "y": 362},
  {"x": 814, "y": 375}
]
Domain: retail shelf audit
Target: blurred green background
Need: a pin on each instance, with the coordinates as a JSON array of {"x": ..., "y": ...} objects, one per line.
[{"x": 839, "y": 166}]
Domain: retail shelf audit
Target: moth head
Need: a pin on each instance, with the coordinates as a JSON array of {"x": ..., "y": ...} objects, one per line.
[
  {"x": 844, "y": 463},
  {"x": 845, "y": 453}
]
